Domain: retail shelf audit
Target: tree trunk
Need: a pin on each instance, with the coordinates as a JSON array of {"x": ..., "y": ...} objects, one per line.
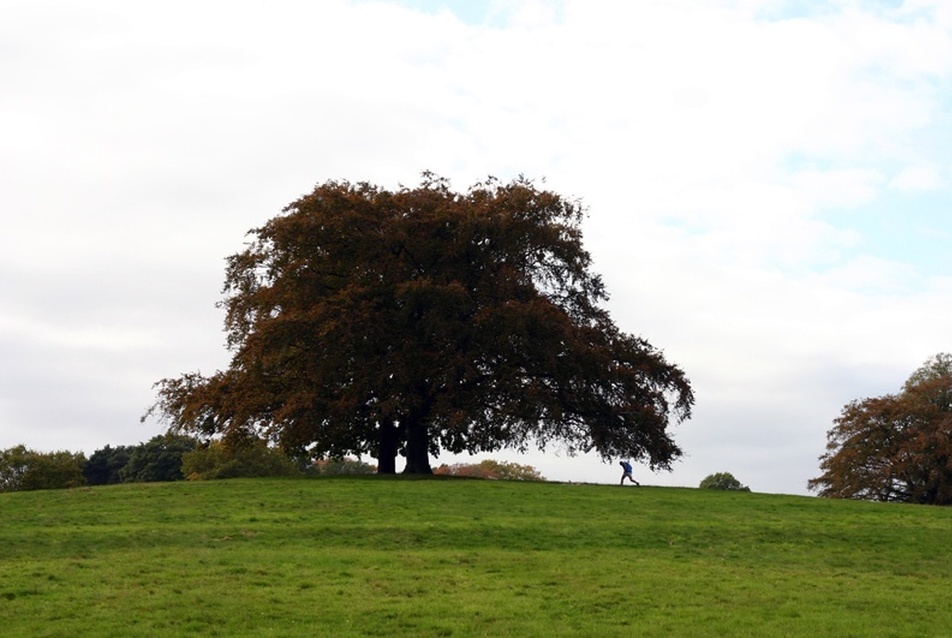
[
  {"x": 418, "y": 447},
  {"x": 387, "y": 444}
]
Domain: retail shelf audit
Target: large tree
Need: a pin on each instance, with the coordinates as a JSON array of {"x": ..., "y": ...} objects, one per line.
[
  {"x": 364, "y": 320},
  {"x": 896, "y": 447}
]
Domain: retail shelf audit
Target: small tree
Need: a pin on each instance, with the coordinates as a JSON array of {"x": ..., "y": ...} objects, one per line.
[
  {"x": 492, "y": 469},
  {"x": 722, "y": 481}
]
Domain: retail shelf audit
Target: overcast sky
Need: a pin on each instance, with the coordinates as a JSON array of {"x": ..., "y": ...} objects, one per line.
[{"x": 769, "y": 187}]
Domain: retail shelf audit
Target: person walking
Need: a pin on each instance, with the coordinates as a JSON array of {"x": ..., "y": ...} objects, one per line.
[{"x": 626, "y": 474}]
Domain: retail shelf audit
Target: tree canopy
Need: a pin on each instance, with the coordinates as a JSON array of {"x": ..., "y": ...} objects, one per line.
[
  {"x": 105, "y": 464},
  {"x": 364, "y": 320},
  {"x": 158, "y": 459},
  {"x": 896, "y": 447}
]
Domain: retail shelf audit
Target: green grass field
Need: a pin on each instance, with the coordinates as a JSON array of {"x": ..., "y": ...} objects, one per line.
[{"x": 392, "y": 557}]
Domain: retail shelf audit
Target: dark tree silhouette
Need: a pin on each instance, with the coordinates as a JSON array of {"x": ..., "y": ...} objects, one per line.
[
  {"x": 103, "y": 467},
  {"x": 364, "y": 320},
  {"x": 158, "y": 459}
]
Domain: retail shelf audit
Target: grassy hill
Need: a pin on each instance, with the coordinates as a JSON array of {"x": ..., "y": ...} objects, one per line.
[{"x": 385, "y": 557}]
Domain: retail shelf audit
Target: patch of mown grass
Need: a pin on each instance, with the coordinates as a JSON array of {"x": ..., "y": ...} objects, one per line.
[{"x": 373, "y": 556}]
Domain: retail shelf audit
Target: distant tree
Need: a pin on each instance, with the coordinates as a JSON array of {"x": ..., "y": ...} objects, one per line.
[
  {"x": 345, "y": 466},
  {"x": 722, "y": 481},
  {"x": 492, "y": 469},
  {"x": 364, "y": 320},
  {"x": 896, "y": 447},
  {"x": 103, "y": 466},
  {"x": 22, "y": 469},
  {"x": 55, "y": 470},
  {"x": 217, "y": 460},
  {"x": 159, "y": 459},
  {"x": 14, "y": 463}
]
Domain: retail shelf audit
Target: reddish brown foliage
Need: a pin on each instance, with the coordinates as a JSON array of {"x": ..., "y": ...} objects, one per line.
[
  {"x": 896, "y": 447},
  {"x": 491, "y": 469},
  {"x": 369, "y": 321}
]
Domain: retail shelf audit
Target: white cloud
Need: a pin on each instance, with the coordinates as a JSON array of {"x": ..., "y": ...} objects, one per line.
[
  {"x": 918, "y": 178},
  {"x": 836, "y": 188}
]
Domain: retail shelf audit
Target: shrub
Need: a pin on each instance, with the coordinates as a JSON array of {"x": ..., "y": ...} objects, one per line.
[
  {"x": 722, "y": 481},
  {"x": 219, "y": 461}
]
